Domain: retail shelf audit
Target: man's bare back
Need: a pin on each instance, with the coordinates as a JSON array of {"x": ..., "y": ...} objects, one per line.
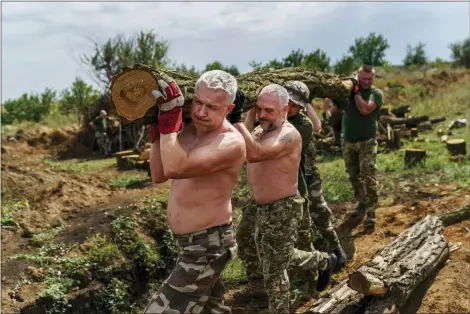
[
  {"x": 274, "y": 179},
  {"x": 202, "y": 202}
]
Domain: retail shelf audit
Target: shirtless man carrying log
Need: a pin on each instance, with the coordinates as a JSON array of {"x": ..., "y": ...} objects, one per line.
[
  {"x": 204, "y": 159},
  {"x": 273, "y": 150}
]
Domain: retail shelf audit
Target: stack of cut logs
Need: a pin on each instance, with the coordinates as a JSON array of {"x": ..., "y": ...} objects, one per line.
[
  {"x": 395, "y": 125},
  {"x": 133, "y": 159}
]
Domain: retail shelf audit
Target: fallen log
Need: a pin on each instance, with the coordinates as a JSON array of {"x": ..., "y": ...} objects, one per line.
[
  {"x": 132, "y": 98},
  {"x": 411, "y": 122},
  {"x": 457, "y": 147},
  {"x": 456, "y": 216},
  {"x": 400, "y": 111},
  {"x": 394, "y": 272},
  {"x": 437, "y": 120},
  {"x": 425, "y": 125}
]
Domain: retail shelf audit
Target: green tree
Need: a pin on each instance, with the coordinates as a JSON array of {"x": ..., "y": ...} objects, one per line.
[
  {"x": 317, "y": 60},
  {"x": 186, "y": 69},
  {"x": 415, "y": 55},
  {"x": 28, "y": 107},
  {"x": 217, "y": 65},
  {"x": 461, "y": 52},
  {"x": 110, "y": 58},
  {"x": 78, "y": 99},
  {"x": 369, "y": 50},
  {"x": 346, "y": 65}
]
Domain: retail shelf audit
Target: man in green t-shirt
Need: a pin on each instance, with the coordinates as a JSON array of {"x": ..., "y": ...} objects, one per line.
[
  {"x": 309, "y": 179},
  {"x": 360, "y": 145},
  {"x": 102, "y": 138}
]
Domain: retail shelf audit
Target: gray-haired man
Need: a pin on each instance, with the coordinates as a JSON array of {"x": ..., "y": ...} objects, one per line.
[{"x": 204, "y": 159}]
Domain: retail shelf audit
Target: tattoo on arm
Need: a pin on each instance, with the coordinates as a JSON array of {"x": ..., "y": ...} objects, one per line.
[{"x": 287, "y": 138}]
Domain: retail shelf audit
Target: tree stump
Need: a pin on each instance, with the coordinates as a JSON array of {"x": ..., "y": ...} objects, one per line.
[
  {"x": 394, "y": 142},
  {"x": 414, "y": 132},
  {"x": 457, "y": 147},
  {"x": 414, "y": 156}
]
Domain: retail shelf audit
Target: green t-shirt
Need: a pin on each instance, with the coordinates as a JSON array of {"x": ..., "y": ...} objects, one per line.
[
  {"x": 100, "y": 124},
  {"x": 305, "y": 128},
  {"x": 356, "y": 126}
]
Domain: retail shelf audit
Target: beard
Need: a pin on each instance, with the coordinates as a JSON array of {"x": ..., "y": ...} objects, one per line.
[{"x": 268, "y": 125}]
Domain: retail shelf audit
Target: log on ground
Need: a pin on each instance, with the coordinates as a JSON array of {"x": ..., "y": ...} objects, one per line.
[
  {"x": 456, "y": 216},
  {"x": 400, "y": 111},
  {"x": 410, "y": 122},
  {"x": 407, "y": 261},
  {"x": 437, "y": 120}
]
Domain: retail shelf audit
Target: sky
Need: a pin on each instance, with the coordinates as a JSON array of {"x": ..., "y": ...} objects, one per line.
[{"x": 42, "y": 41}]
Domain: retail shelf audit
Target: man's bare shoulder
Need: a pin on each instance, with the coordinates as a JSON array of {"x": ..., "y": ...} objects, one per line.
[
  {"x": 288, "y": 134},
  {"x": 231, "y": 138}
]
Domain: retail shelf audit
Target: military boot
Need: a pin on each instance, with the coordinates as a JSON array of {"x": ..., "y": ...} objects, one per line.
[
  {"x": 369, "y": 225},
  {"x": 253, "y": 291},
  {"x": 324, "y": 276},
  {"x": 342, "y": 258},
  {"x": 359, "y": 210}
]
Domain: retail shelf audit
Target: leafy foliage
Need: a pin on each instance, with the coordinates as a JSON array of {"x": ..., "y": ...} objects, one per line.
[
  {"x": 28, "y": 107},
  {"x": 461, "y": 52},
  {"x": 316, "y": 60},
  {"x": 346, "y": 65},
  {"x": 415, "y": 55},
  {"x": 369, "y": 50},
  {"x": 216, "y": 65},
  {"x": 110, "y": 58},
  {"x": 78, "y": 98}
]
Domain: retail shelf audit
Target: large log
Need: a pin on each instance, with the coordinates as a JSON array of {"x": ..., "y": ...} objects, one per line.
[
  {"x": 400, "y": 111},
  {"x": 394, "y": 272},
  {"x": 411, "y": 122},
  {"x": 335, "y": 87},
  {"x": 456, "y": 216}
]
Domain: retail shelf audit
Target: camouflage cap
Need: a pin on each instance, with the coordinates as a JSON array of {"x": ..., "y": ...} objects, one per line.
[{"x": 298, "y": 92}]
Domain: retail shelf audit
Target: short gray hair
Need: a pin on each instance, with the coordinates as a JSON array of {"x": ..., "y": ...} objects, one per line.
[
  {"x": 218, "y": 79},
  {"x": 279, "y": 91}
]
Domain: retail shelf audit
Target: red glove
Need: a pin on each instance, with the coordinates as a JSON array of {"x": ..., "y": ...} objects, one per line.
[
  {"x": 356, "y": 90},
  {"x": 171, "y": 102}
]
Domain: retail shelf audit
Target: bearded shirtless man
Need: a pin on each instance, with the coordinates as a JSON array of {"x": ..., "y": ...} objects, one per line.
[
  {"x": 204, "y": 159},
  {"x": 273, "y": 150}
]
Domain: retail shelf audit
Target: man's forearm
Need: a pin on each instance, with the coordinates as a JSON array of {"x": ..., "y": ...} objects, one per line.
[
  {"x": 173, "y": 154},
  {"x": 314, "y": 117},
  {"x": 362, "y": 105},
  {"x": 250, "y": 120},
  {"x": 156, "y": 167},
  {"x": 252, "y": 147}
]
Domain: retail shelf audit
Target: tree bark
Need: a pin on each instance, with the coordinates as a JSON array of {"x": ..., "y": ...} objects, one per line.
[
  {"x": 335, "y": 87},
  {"x": 399, "y": 112},
  {"x": 456, "y": 216},
  {"x": 437, "y": 120},
  {"x": 409, "y": 122},
  {"x": 394, "y": 273}
]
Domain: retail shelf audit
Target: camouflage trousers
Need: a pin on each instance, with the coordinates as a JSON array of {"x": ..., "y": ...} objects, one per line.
[
  {"x": 360, "y": 161},
  {"x": 270, "y": 252},
  {"x": 195, "y": 284},
  {"x": 319, "y": 211},
  {"x": 104, "y": 143}
]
